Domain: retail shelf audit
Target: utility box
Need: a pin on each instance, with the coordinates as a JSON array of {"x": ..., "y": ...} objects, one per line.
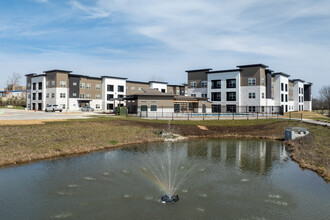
[
  {"x": 121, "y": 111},
  {"x": 292, "y": 133}
]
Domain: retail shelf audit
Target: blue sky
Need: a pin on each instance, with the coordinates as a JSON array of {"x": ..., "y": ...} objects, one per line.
[{"x": 159, "y": 40}]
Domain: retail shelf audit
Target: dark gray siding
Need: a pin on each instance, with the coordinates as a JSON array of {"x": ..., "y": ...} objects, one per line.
[
  {"x": 307, "y": 93},
  {"x": 72, "y": 88}
]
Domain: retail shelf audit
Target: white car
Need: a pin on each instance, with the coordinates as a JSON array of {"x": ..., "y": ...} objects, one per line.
[{"x": 53, "y": 108}]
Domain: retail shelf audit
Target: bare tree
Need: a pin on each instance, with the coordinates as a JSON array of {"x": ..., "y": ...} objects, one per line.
[
  {"x": 13, "y": 80},
  {"x": 325, "y": 97}
]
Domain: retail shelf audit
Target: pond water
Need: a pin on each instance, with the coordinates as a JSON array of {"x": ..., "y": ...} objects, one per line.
[{"x": 224, "y": 179}]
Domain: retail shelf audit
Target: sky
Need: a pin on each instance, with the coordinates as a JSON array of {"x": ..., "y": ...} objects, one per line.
[{"x": 158, "y": 40}]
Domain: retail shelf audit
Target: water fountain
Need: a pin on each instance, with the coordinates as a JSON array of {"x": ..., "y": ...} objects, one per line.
[{"x": 168, "y": 171}]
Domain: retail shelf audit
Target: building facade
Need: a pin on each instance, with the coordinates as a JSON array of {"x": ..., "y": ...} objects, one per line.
[{"x": 250, "y": 88}]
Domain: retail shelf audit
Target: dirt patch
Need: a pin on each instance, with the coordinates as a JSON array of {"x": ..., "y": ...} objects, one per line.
[
  {"x": 202, "y": 127},
  {"x": 27, "y": 122}
]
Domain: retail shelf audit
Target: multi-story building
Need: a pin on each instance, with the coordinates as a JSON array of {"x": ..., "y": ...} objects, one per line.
[
  {"x": 249, "y": 88},
  {"x": 72, "y": 91}
]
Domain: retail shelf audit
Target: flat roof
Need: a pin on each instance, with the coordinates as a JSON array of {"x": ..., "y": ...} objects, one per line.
[
  {"x": 300, "y": 80},
  {"x": 224, "y": 71},
  {"x": 253, "y": 65},
  {"x": 281, "y": 73},
  {"x": 113, "y": 77},
  {"x": 132, "y": 81},
  {"x": 84, "y": 76},
  {"x": 157, "y": 82},
  {"x": 199, "y": 70},
  {"x": 58, "y": 70}
]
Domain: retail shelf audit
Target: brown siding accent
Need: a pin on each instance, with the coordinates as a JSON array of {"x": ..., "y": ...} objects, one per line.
[
  {"x": 62, "y": 77},
  {"x": 173, "y": 88},
  {"x": 290, "y": 91},
  {"x": 166, "y": 102},
  {"x": 197, "y": 77},
  {"x": 252, "y": 72},
  {"x": 93, "y": 91},
  {"x": 137, "y": 85}
]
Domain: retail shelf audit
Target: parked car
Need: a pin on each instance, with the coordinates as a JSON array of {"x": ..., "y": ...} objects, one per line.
[
  {"x": 53, "y": 108},
  {"x": 87, "y": 109}
]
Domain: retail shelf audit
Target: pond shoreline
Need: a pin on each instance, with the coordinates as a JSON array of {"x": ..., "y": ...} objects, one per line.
[{"x": 150, "y": 134}]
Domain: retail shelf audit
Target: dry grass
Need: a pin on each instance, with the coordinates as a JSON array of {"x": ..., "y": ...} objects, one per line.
[
  {"x": 308, "y": 115},
  {"x": 23, "y": 143},
  {"x": 313, "y": 150},
  {"x": 28, "y": 122}
]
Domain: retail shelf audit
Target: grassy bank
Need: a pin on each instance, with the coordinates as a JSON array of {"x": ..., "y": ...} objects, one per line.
[{"x": 23, "y": 143}]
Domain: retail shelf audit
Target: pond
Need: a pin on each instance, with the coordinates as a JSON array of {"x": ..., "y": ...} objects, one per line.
[{"x": 215, "y": 179}]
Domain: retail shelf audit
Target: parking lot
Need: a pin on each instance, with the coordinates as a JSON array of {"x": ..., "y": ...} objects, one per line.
[{"x": 14, "y": 114}]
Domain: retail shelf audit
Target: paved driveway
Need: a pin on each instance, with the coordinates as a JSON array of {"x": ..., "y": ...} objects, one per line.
[{"x": 13, "y": 114}]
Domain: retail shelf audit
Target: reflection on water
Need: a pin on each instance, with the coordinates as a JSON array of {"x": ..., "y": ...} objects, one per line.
[
  {"x": 250, "y": 155},
  {"x": 233, "y": 179}
]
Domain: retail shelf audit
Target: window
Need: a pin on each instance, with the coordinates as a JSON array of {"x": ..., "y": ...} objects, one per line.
[
  {"x": 286, "y": 87},
  {"x": 153, "y": 101},
  {"x": 47, "y": 95},
  {"x": 40, "y": 85},
  {"x": 204, "y": 84},
  {"x": 193, "y": 95},
  {"x": 262, "y": 81},
  {"x": 29, "y": 95},
  {"x": 231, "y": 108},
  {"x": 39, "y": 96},
  {"x": 216, "y": 108},
  {"x": 286, "y": 98},
  {"x": 263, "y": 95},
  {"x": 62, "y": 95},
  {"x": 231, "y": 96},
  {"x": 63, "y": 106},
  {"x": 140, "y": 89},
  {"x": 120, "y": 96},
  {"x": 171, "y": 91},
  {"x": 62, "y": 84},
  {"x": 109, "y": 97},
  {"x": 88, "y": 86},
  {"x": 82, "y": 96},
  {"x": 34, "y": 96},
  {"x": 282, "y": 98},
  {"x": 132, "y": 88},
  {"x": 144, "y": 108},
  {"x": 53, "y": 95},
  {"x": 231, "y": 83},
  {"x": 216, "y": 96},
  {"x": 251, "y": 81},
  {"x": 153, "y": 108},
  {"x": 97, "y": 86},
  {"x": 97, "y": 96},
  {"x": 74, "y": 94},
  {"x": 97, "y": 106},
  {"x": 34, "y": 86},
  {"x": 110, "y": 88},
  {"x": 204, "y": 95},
  {"x": 163, "y": 90},
  {"x": 82, "y": 85},
  {"x": 88, "y": 96},
  {"x": 74, "y": 83},
  {"x": 29, "y": 85},
  {"x": 177, "y": 91},
  {"x": 120, "y": 88},
  {"x": 252, "y": 109},
  {"x": 193, "y": 84},
  {"x": 282, "y": 87},
  {"x": 47, "y": 83},
  {"x": 272, "y": 84},
  {"x": 53, "y": 83},
  {"x": 252, "y": 95},
  {"x": 215, "y": 84}
]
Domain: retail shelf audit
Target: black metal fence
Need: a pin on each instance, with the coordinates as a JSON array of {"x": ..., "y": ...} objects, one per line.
[{"x": 224, "y": 112}]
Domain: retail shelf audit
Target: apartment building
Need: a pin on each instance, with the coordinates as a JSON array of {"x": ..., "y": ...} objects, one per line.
[
  {"x": 73, "y": 91},
  {"x": 249, "y": 88}
]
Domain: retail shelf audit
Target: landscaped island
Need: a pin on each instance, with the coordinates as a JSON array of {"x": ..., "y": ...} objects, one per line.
[{"x": 24, "y": 143}]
